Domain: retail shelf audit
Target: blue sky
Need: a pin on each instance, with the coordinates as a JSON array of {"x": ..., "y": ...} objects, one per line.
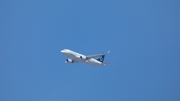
[{"x": 143, "y": 37}]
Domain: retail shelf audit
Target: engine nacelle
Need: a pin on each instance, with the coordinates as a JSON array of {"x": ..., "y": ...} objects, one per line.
[
  {"x": 83, "y": 57},
  {"x": 69, "y": 61}
]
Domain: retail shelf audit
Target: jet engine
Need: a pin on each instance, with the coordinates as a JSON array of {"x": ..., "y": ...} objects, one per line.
[{"x": 69, "y": 61}]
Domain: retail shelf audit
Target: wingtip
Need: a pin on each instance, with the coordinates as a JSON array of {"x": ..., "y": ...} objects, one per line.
[{"x": 108, "y": 52}]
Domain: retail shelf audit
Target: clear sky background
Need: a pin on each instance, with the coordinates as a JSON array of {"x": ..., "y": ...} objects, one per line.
[{"x": 143, "y": 36}]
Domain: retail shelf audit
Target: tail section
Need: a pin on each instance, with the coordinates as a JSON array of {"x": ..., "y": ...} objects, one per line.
[
  {"x": 105, "y": 63},
  {"x": 101, "y": 59}
]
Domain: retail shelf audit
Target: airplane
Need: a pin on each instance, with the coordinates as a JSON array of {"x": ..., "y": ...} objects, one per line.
[{"x": 73, "y": 57}]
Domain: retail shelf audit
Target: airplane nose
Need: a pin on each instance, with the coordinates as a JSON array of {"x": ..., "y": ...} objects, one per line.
[{"x": 62, "y": 51}]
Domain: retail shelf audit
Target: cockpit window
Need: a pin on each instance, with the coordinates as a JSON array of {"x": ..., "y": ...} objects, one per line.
[{"x": 65, "y": 50}]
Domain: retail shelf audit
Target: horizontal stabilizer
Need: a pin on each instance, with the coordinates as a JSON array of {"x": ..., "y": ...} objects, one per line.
[{"x": 106, "y": 62}]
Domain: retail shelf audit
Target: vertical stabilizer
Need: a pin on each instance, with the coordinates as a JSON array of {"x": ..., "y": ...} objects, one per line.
[{"x": 101, "y": 59}]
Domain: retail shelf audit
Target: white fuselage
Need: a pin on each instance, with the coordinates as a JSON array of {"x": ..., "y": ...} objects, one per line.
[{"x": 77, "y": 57}]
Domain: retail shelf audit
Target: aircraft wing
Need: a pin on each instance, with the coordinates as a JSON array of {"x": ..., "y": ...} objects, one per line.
[{"x": 97, "y": 55}]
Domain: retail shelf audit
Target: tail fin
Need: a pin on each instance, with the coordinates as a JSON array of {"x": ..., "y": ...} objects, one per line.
[{"x": 101, "y": 59}]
